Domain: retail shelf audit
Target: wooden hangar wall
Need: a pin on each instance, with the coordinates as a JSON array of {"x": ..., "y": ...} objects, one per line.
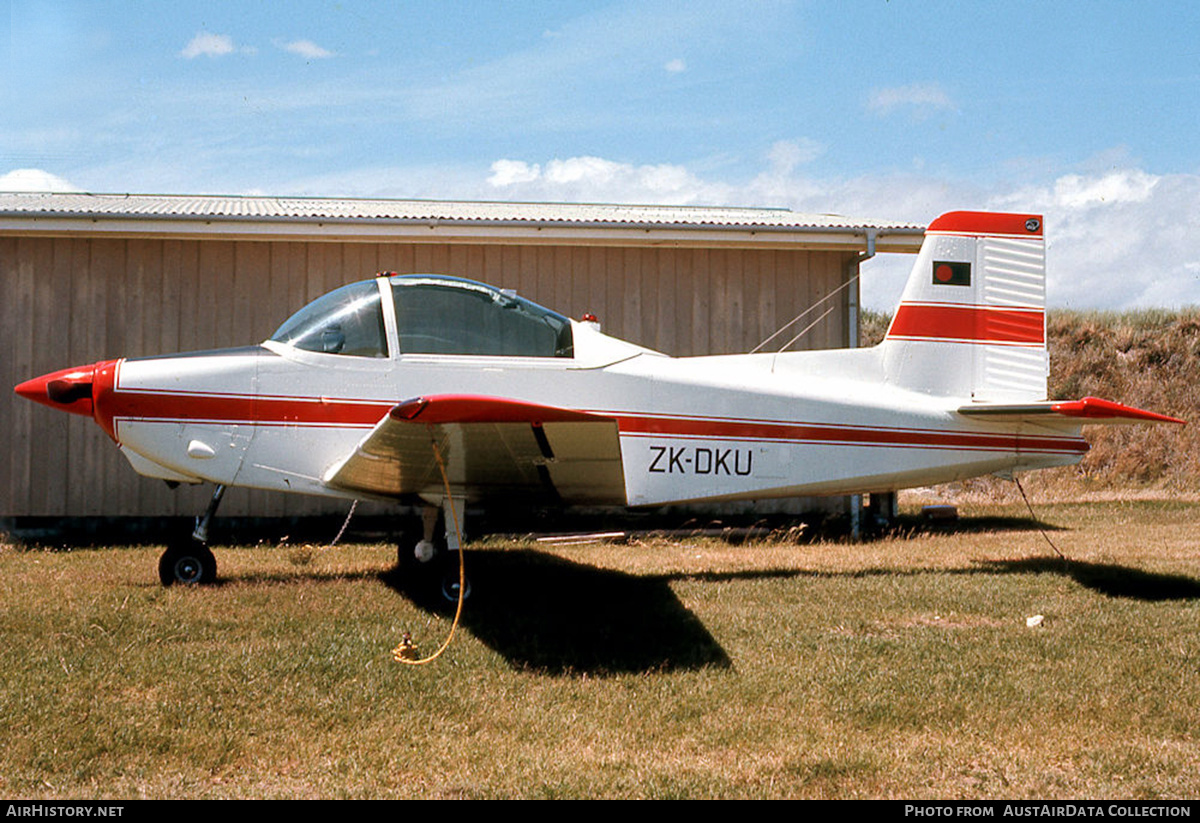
[{"x": 75, "y": 300}]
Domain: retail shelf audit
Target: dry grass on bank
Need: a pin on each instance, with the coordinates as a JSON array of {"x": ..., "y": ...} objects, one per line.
[
  {"x": 1148, "y": 359},
  {"x": 901, "y": 667}
]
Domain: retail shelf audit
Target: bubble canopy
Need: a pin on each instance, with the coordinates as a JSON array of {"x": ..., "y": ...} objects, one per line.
[{"x": 434, "y": 314}]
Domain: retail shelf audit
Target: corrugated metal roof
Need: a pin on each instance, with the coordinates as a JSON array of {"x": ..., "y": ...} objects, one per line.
[{"x": 297, "y": 209}]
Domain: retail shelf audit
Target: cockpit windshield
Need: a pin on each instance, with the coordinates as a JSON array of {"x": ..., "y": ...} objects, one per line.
[
  {"x": 435, "y": 314},
  {"x": 346, "y": 321},
  {"x": 446, "y": 315}
]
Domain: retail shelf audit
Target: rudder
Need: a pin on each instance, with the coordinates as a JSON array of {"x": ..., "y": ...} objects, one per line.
[{"x": 972, "y": 321}]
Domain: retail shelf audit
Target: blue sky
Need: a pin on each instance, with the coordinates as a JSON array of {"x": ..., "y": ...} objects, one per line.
[{"x": 1088, "y": 112}]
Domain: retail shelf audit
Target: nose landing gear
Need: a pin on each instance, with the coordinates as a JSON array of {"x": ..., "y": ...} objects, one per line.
[{"x": 188, "y": 559}]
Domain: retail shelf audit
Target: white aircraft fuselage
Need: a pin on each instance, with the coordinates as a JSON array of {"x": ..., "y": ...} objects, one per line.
[
  {"x": 405, "y": 386},
  {"x": 699, "y": 428}
]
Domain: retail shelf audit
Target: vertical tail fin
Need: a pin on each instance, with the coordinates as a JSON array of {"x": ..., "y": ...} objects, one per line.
[{"x": 972, "y": 321}]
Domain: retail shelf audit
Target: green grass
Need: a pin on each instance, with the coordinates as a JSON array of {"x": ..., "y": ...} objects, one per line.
[{"x": 895, "y": 668}]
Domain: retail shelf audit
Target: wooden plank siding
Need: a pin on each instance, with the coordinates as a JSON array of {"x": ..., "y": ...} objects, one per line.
[{"x": 74, "y": 300}]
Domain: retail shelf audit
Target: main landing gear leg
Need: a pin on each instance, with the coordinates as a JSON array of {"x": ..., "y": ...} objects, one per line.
[
  {"x": 436, "y": 553},
  {"x": 188, "y": 560},
  {"x": 426, "y": 548},
  {"x": 454, "y": 514}
]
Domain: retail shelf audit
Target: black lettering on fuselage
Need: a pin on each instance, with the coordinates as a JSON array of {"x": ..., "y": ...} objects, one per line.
[
  {"x": 675, "y": 459},
  {"x": 722, "y": 456},
  {"x": 737, "y": 462},
  {"x": 659, "y": 451},
  {"x": 701, "y": 460}
]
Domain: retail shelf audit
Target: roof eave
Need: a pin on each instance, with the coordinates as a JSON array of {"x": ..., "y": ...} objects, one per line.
[{"x": 373, "y": 229}]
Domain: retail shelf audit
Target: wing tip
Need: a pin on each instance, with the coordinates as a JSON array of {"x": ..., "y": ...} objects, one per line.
[{"x": 408, "y": 409}]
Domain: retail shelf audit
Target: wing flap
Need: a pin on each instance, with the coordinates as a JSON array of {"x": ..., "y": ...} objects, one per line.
[
  {"x": 491, "y": 447},
  {"x": 1088, "y": 410}
]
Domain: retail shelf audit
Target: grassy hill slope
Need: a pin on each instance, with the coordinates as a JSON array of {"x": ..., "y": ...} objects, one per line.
[{"x": 1149, "y": 359}]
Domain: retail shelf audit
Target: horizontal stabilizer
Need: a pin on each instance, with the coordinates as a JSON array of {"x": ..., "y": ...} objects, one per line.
[{"x": 1089, "y": 409}]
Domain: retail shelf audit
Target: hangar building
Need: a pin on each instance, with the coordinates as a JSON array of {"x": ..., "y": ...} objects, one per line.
[{"x": 87, "y": 277}]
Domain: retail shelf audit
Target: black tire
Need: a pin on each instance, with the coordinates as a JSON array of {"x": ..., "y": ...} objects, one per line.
[
  {"x": 405, "y": 557},
  {"x": 187, "y": 563},
  {"x": 450, "y": 587}
]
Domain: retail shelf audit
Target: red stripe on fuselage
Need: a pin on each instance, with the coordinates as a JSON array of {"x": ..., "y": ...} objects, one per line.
[
  {"x": 239, "y": 409},
  {"x": 764, "y": 431},
  {"x": 969, "y": 324},
  {"x": 114, "y": 404}
]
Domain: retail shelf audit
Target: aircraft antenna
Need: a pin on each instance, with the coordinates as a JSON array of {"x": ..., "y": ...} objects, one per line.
[
  {"x": 802, "y": 315},
  {"x": 805, "y": 330}
]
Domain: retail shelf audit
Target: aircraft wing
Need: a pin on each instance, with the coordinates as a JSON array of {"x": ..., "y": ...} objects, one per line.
[
  {"x": 491, "y": 447},
  {"x": 1086, "y": 411}
]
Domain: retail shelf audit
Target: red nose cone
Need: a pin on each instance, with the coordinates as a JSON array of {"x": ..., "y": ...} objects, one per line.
[{"x": 69, "y": 390}]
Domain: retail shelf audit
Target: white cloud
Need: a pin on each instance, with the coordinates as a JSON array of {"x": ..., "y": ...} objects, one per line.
[
  {"x": 918, "y": 98},
  {"x": 34, "y": 180},
  {"x": 307, "y": 49},
  {"x": 785, "y": 155},
  {"x": 209, "y": 45},
  {"x": 1123, "y": 238},
  {"x": 595, "y": 179},
  {"x": 512, "y": 172},
  {"x": 675, "y": 66},
  {"x": 1130, "y": 186}
]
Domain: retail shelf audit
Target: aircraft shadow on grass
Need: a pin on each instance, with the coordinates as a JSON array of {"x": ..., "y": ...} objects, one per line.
[
  {"x": 552, "y": 615},
  {"x": 974, "y": 525},
  {"x": 1106, "y": 578},
  {"x": 1109, "y": 579},
  {"x": 545, "y": 613}
]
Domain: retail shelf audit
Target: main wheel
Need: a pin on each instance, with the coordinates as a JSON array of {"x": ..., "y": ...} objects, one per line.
[
  {"x": 187, "y": 562},
  {"x": 450, "y": 587}
]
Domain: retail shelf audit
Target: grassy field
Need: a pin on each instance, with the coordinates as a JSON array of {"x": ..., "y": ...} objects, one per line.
[{"x": 901, "y": 667}]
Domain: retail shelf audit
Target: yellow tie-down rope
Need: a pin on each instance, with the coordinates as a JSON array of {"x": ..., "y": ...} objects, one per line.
[{"x": 406, "y": 651}]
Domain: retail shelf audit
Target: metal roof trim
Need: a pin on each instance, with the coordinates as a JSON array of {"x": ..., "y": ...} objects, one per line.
[{"x": 213, "y": 209}]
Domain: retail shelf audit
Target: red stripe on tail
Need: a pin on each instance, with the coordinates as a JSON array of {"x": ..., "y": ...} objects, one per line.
[{"x": 969, "y": 324}]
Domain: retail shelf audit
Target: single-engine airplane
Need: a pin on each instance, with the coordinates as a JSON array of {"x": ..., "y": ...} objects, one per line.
[{"x": 407, "y": 386}]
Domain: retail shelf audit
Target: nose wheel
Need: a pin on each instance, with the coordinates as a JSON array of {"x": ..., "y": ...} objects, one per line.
[{"x": 188, "y": 563}]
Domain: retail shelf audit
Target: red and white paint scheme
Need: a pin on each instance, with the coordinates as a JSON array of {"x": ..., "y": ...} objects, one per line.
[{"x": 347, "y": 397}]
